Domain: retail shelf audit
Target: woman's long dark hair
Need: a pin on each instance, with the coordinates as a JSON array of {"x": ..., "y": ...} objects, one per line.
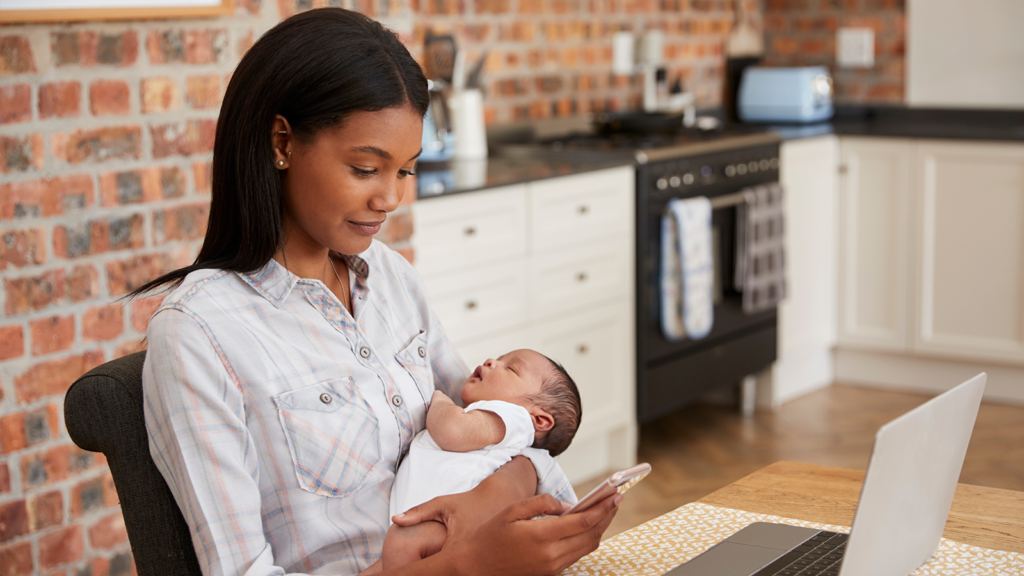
[{"x": 314, "y": 69}]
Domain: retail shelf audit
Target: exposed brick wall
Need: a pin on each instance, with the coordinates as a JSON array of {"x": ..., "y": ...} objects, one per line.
[
  {"x": 106, "y": 132},
  {"x": 803, "y": 32}
]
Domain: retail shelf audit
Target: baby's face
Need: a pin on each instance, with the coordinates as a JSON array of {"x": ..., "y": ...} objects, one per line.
[{"x": 511, "y": 377}]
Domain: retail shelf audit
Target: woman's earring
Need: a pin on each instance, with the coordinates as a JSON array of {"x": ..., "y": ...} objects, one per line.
[{"x": 280, "y": 163}]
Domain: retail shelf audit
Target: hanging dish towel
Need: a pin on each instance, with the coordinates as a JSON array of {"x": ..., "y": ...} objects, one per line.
[
  {"x": 760, "y": 262},
  {"x": 687, "y": 269}
]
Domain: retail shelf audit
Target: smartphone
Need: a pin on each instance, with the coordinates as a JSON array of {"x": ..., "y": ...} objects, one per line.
[{"x": 619, "y": 482}]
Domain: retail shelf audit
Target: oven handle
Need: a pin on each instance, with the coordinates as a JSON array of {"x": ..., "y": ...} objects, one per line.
[{"x": 730, "y": 199}]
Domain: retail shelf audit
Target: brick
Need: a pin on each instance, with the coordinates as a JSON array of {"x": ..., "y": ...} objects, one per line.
[
  {"x": 118, "y": 49},
  {"x": 19, "y": 248},
  {"x": 103, "y": 322},
  {"x": 83, "y": 283},
  {"x": 82, "y": 460},
  {"x": 493, "y": 6},
  {"x": 246, "y": 42},
  {"x": 397, "y": 228},
  {"x": 65, "y": 48},
  {"x": 87, "y": 48},
  {"x": 45, "y": 510},
  {"x": 16, "y": 55},
  {"x": 13, "y": 520},
  {"x": 129, "y": 347},
  {"x": 191, "y": 46},
  {"x": 190, "y": 137},
  {"x": 250, "y": 6},
  {"x": 93, "y": 494},
  {"x": 60, "y": 99},
  {"x": 45, "y": 467},
  {"x": 109, "y": 532},
  {"x": 203, "y": 91},
  {"x": 96, "y": 567},
  {"x": 12, "y": 342},
  {"x": 145, "y": 185},
  {"x": 33, "y": 292},
  {"x": 784, "y": 46},
  {"x": 202, "y": 175},
  {"x": 99, "y": 236},
  {"x": 21, "y": 153},
  {"x": 16, "y": 560},
  {"x": 159, "y": 94},
  {"x": 5, "y": 478},
  {"x": 180, "y": 223},
  {"x": 15, "y": 103},
  {"x": 45, "y": 197},
  {"x": 142, "y": 310},
  {"x": 54, "y": 377},
  {"x": 52, "y": 334},
  {"x": 28, "y": 428},
  {"x": 60, "y": 547},
  {"x": 97, "y": 144},
  {"x": 126, "y": 275},
  {"x": 109, "y": 97},
  {"x": 122, "y": 565}
]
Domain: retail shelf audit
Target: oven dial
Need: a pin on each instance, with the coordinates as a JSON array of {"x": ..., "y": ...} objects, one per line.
[
  {"x": 674, "y": 181},
  {"x": 688, "y": 178},
  {"x": 730, "y": 171},
  {"x": 763, "y": 165},
  {"x": 662, "y": 184},
  {"x": 774, "y": 163},
  {"x": 752, "y": 166},
  {"x": 741, "y": 169}
]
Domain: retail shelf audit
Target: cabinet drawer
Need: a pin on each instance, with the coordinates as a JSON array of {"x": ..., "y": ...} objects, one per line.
[
  {"x": 469, "y": 229},
  {"x": 582, "y": 208},
  {"x": 481, "y": 300},
  {"x": 596, "y": 349},
  {"x": 579, "y": 277}
]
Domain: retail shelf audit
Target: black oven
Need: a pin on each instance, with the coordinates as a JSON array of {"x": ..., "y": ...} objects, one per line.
[{"x": 674, "y": 374}]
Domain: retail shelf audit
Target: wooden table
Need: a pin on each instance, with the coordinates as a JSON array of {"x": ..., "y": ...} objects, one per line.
[{"x": 986, "y": 517}]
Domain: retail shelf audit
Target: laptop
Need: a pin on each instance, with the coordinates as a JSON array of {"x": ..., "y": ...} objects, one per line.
[{"x": 906, "y": 497}]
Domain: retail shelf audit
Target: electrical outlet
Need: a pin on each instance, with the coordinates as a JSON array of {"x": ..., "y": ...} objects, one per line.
[{"x": 855, "y": 47}]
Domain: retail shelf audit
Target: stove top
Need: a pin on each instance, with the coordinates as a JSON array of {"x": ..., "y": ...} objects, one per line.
[{"x": 659, "y": 146}]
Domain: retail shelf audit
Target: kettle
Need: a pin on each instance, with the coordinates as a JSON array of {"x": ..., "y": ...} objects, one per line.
[{"x": 438, "y": 141}]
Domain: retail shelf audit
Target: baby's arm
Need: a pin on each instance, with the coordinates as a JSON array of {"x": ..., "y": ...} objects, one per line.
[{"x": 456, "y": 430}]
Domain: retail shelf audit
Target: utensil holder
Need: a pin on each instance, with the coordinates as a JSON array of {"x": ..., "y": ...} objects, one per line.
[{"x": 467, "y": 109}]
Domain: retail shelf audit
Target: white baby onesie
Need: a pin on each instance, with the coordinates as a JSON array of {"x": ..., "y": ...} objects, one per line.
[{"x": 428, "y": 471}]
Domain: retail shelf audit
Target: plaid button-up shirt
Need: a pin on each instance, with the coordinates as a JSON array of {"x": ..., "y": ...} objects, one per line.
[{"x": 279, "y": 419}]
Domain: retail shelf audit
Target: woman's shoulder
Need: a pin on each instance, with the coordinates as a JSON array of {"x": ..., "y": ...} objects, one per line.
[{"x": 392, "y": 264}]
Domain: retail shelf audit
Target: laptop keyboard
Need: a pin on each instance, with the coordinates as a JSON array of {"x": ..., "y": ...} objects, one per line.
[{"x": 820, "y": 555}]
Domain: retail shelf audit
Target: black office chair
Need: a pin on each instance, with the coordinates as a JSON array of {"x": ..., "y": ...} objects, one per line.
[{"x": 103, "y": 413}]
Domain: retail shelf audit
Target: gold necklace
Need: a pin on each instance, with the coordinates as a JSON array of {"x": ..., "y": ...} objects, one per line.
[{"x": 344, "y": 294}]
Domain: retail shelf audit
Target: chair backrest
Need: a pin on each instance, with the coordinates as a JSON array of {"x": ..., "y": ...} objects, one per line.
[{"x": 103, "y": 413}]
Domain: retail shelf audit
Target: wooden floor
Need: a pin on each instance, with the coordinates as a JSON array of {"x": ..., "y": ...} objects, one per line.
[{"x": 704, "y": 447}]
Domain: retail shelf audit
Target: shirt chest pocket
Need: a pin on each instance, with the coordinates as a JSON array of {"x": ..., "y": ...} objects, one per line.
[
  {"x": 332, "y": 434},
  {"x": 416, "y": 361}
]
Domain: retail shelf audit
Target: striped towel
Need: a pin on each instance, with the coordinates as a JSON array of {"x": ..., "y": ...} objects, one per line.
[
  {"x": 687, "y": 269},
  {"x": 760, "y": 258}
]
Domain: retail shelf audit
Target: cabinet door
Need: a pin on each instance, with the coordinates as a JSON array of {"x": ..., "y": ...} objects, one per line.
[
  {"x": 582, "y": 208},
  {"x": 581, "y": 277},
  {"x": 873, "y": 243},
  {"x": 970, "y": 243},
  {"x": 479, "y": 300}
]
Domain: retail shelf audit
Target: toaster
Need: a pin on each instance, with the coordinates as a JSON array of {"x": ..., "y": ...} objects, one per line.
[{"x": 802, "y": 94}]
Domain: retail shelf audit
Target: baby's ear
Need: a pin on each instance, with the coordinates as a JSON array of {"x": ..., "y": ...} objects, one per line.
[{"x": 542, "y": 421}]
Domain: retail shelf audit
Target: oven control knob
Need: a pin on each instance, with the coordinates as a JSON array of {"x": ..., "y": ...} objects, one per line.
[
  {"x": 688, "y": 178},
  {"x": 751, "y": 166},
  {"x": 674, "y": 181},
  {"x": 662, "y": 184},
  {"x": 763, "y": 165},
  {"x": 741, "y": 169},
  {"x": 774, "y": 163},
  {"x": 730, "y": 171}
]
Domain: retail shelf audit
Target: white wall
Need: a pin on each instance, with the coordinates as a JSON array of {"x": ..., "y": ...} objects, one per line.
[{"x": 965, "y": 53}]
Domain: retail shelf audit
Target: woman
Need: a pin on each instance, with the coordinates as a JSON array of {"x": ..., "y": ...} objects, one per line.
[{"x": 292, "y": 365}]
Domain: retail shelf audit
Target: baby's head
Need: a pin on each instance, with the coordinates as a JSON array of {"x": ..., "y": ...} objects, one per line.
[{"x": 537, "y": 383}]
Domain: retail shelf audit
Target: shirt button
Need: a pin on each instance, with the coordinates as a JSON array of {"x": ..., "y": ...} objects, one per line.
[
  {"x": 396, "y": 400},
  {"x": 364, "y": 352},
  {"x": 422, "y": 351},
  {"x": 326, "y": 398}
]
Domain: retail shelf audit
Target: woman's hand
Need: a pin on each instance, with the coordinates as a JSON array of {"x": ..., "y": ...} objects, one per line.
[{"x": 513, "y": 543}]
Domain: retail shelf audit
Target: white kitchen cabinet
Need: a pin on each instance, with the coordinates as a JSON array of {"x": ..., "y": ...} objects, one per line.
[
  {"x": 969, "y": 244},
  {"x": 807, "y": 325},
  {"x": 874, "y": 194},
  {"x": 548, "y": 266}
]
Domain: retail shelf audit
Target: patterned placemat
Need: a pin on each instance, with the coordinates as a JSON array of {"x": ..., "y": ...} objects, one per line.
[{"x": 656, "y": 547}]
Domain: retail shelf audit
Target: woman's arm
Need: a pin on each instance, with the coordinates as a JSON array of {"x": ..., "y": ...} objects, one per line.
[{"x": 455, "y": 430}]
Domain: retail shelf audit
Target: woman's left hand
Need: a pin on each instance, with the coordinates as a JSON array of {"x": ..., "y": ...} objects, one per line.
[{"x": 463, "y": 513}]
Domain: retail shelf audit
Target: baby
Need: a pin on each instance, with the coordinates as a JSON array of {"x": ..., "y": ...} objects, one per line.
[{"x": 521, "y": 399}]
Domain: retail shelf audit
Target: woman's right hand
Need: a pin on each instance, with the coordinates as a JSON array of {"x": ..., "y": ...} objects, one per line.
[{"x": 514, "y": 543}]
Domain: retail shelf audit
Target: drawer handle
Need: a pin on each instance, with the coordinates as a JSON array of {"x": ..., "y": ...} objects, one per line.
[
  {"x": 583, "y": 209},
  {"x": 581, "y": 277},
  {"x": 470, "y": 231},
  {"x": 471, "y": 305},
  {"x": 583, "y": 349}
]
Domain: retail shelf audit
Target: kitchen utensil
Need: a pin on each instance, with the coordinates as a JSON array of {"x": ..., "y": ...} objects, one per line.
[
  {"x": 467, "y": 108},
  {"x": 440, "y": 56},
  {"x": 459, "y": 70},
  {"x": 474, "y": 80}
]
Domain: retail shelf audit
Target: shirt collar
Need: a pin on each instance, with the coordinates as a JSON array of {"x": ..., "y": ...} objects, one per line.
[{"x": 274, "y": 282}]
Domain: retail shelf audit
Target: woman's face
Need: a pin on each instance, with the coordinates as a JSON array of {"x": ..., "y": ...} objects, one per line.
[{"x": 340, "y": 188}]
